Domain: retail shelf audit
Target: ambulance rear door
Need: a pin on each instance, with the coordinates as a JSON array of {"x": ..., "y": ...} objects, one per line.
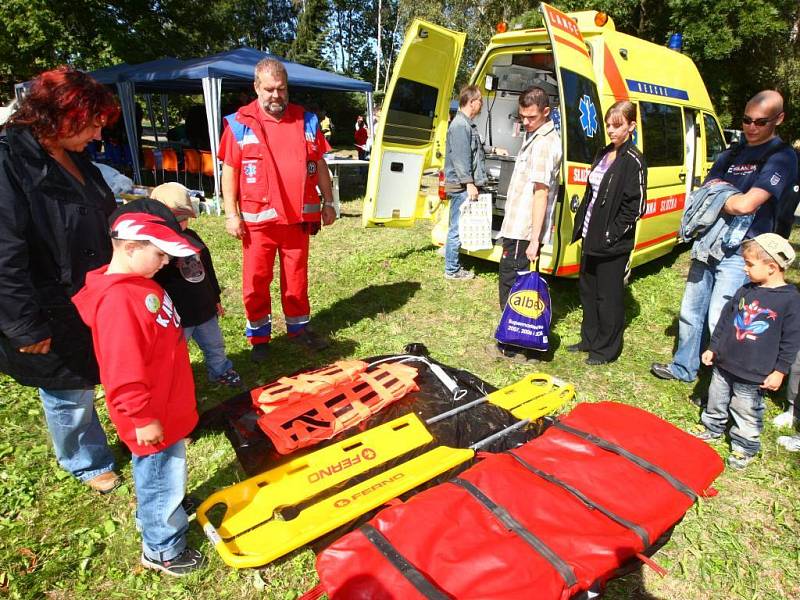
[
  {"x": 580, "y": 123},
  {"x": 412, "y": 132}
]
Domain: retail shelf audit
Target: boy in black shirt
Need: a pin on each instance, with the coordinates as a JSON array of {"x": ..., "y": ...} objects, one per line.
[
  {"x": 753, "y": 346},
  {"x": 192, "y": 284}
]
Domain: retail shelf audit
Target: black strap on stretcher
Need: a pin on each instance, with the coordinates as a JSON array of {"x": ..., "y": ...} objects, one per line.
[
  {"x": 624, "y": 453},
  {"x": 516, "y": 527},
  {"x": 421, "y": 583},
  {"x": 637, "y": 529}
]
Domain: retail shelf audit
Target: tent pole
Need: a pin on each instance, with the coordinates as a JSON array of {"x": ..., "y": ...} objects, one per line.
[
  {"x": 151, "y": 115},
  {"x": 164, "y": 113},
  {"x": 212, "y": 90},
  {"x": 125, "y": 90},
  {"x": 370, "y": 122}
]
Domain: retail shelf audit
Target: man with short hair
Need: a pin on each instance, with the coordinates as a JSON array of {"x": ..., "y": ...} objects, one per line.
[
  {"x": 760, "y": 169},
  {"x": 272, "y": 153},
  {"x": 464, "y": 172},
  {"x": 531, "y": 195}
]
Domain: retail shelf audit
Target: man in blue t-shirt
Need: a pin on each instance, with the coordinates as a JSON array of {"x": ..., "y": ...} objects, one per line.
[{"x": 761, "y": 169}]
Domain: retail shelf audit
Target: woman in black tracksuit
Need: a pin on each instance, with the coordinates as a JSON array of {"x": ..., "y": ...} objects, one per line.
[{"x": 615, "y": 199}]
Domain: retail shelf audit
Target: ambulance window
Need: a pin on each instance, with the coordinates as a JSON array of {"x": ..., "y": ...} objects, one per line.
[
  {"x": 409, "y": 120},
  {"x": 715, "y": 143},
  {"x": 583, "y": 118},
  {"x": 662, "y": 128}
]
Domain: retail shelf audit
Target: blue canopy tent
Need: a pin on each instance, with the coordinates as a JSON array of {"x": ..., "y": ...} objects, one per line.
[{"x": 232, "y": 69}]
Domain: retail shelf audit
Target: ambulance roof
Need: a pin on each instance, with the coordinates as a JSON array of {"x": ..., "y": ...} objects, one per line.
[{"x": 650, "y": 72}]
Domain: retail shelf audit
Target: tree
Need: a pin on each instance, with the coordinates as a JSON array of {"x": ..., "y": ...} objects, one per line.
[{"x": 309, "y": 45}]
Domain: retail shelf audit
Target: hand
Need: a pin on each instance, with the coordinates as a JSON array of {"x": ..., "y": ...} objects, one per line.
[
  {"x": 328, "y": 215},
  {"x": 533, "y": 251},
  {"x": 472, "y": 191},
  {"x": 500, "y": 151},
  {"x": 151, "y": 434},
  {"x": 42, "y": 347},
  {"x": 220, "y": 310},
  {"x": 707, "y": 358},
  {"x": 235, "y": 226},
  {"x": 773, "y": 381}
]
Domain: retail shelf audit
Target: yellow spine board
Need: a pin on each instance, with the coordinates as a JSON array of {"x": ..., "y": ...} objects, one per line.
[
  {"x": 273, "y": 539},
  {"x": 255, "y": 500},
  {"x": 533, "y": 397}
]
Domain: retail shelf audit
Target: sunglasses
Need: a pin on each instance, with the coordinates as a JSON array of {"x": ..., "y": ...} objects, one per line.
[{"x": 758, "y": 122}]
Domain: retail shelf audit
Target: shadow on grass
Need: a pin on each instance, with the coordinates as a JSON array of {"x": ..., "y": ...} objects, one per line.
[
  {"x": 630, "y": 587},
  {"x": 286, "y": 357}
]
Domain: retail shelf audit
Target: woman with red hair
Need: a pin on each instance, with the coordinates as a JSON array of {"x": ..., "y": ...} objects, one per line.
[{"x": 55, "y": 206}]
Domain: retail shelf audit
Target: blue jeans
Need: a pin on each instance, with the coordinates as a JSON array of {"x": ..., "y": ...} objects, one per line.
[
  {"x": 451, "y": 247},
  {"x": 745, "y": 401},
  {"x": 209, "y": 338},
  {"x": 708, "y": 288},
  {"x": 160, "y": 481},
  {"x": 78, "y": 438}
]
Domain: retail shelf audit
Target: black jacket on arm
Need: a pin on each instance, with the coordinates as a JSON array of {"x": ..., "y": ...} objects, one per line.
[
  {"x": 52, "y": 232},
  {"x": 621, "y": 202}
]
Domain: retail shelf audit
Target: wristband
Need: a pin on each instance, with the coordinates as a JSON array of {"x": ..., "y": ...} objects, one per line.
[
  {"x": 328, "y": 203},
  {"x": 236, "y": 216}
]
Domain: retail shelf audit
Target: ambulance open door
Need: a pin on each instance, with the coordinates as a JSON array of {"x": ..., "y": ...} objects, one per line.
[
  {"x": 580, "y": 123},
  {"x": 412, "y": 130}
]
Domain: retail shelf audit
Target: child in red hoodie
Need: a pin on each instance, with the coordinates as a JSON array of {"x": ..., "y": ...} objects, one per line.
[{"x": 145, "y": 370}]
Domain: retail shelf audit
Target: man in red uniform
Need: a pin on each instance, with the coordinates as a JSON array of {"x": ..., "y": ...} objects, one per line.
[{"x": 272, "y": 175}]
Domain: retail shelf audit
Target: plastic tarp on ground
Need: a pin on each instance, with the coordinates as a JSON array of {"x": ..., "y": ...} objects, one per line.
[{"x": 233, "y": 69}]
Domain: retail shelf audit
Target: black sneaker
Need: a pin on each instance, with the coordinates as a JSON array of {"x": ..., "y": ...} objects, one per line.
[
  {"x": 186, "y": 562},
  {"x": 260, "y": 352},
  {"x": 662, "y": 371},
  {"x": 310, "y": 340},
  {"x": 461, "y": 275},
  {"x": 230, "y": 378}
]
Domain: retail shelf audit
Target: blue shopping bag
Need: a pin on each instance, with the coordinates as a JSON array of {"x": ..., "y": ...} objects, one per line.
[{"x": 526, "y": 316}]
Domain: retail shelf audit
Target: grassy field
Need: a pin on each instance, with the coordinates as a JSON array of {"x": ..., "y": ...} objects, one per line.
[{"x": 374, "y": 291}]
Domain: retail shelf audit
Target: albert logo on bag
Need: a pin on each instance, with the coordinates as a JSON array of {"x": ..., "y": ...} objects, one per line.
[
  {"x": 526, "y": 317},
  {"x": 528, "y": 303}
]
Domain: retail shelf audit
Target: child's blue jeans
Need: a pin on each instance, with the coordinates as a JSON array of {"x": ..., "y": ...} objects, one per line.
[
  {"x": 209, "y": 338},
  {"x": 160, "y": 481},
  {"x": 745, "y": 402}
]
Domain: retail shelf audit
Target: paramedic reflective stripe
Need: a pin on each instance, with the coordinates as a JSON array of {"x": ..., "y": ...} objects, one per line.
[
  {"x": 637, "y": 529},
  {"x": 312, "y": 208},
  {"x": 259, "y": 217},
  {"x": 421, "y": 583},
  {"x": 515, "y": 526},
  {"x": 624, "y": 453}
]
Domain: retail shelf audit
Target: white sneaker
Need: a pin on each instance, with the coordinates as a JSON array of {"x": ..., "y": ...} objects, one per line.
[
  {"x": 785, "y": 419},
  {"x": 790, "y": 442}
]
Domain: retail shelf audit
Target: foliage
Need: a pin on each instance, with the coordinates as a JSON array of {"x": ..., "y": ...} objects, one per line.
[{"x": 309, "y": 45}]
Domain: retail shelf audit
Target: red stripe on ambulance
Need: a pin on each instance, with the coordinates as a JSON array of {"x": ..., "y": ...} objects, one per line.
[{"x": 667, "y": 204}]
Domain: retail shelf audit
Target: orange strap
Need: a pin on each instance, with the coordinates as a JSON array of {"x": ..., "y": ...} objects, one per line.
[
  {"x": 313, "y": 383},
  {"x": 316, "y": 418}
]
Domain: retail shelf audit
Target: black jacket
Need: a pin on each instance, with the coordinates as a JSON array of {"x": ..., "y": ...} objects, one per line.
[
  {"x": 621, "y": 201},
  {"x": 192, "y": 284},
  {"x": 52, "y": 232},
  {"x": 758, "y": 332}
]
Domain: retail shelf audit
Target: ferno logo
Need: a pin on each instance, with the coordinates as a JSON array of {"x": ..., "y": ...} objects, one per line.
[
  {"x": 527, "y": 303},
  {"x": 342, "y": 502},
  {"x": 342, "y": 465}
]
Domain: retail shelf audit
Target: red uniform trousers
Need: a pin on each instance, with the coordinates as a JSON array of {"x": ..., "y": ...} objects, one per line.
[{"x": 260, "y": 245}]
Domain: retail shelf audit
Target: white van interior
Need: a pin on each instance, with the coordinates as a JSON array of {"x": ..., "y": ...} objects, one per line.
[{"x": 506, "y": 76}]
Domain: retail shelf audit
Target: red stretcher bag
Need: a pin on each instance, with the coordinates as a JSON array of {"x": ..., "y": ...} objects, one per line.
[{"x": 595, "y": 494}]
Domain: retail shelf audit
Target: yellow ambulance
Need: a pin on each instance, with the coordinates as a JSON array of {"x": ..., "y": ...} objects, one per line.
[{"x": 585, "y": 65}]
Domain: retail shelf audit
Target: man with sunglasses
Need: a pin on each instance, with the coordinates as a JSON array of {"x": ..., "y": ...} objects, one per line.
[{"x": 761, "y": 168}]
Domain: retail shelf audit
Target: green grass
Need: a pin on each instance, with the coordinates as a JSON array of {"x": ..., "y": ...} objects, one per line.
[{"x": 374, "y": 291}]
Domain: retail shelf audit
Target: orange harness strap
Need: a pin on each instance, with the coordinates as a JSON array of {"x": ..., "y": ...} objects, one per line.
[
  {"x": 314, "y": 419},
  {"x": 292, "y": 389}
]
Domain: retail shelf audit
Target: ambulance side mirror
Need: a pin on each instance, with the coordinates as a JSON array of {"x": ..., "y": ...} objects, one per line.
[{"x": 490, "y": 83}]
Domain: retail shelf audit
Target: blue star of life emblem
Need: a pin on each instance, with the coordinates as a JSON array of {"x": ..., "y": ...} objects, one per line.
[
  {"x": 250, "y": 170},
  {"x": 555, "y": 115},
  {"x": 588, "y": 116}
]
